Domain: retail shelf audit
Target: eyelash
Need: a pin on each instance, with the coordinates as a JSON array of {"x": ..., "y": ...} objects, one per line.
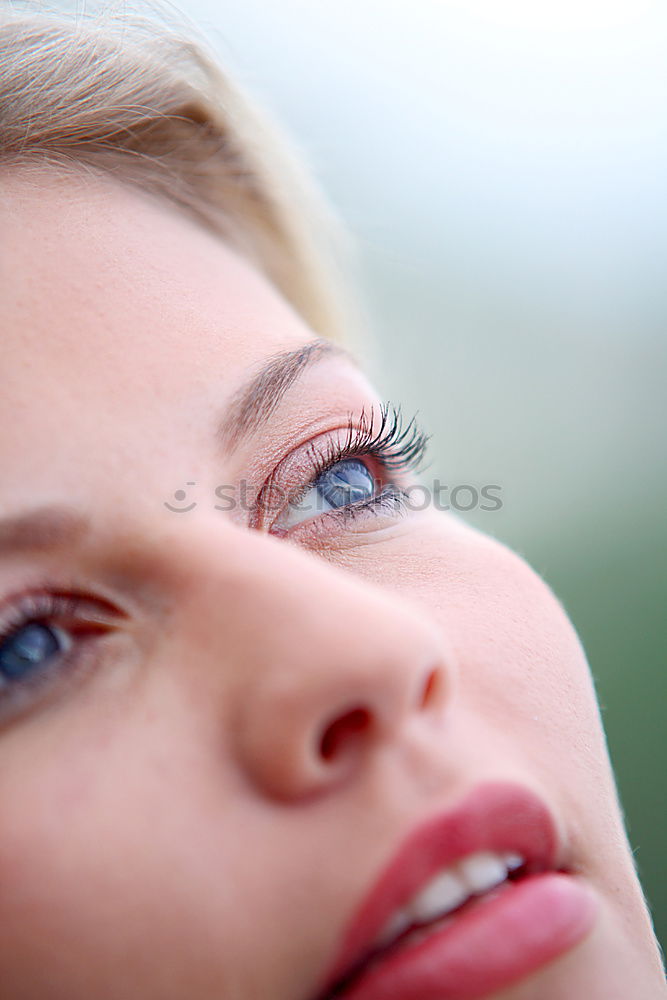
[{"x": 395, "y": 446}]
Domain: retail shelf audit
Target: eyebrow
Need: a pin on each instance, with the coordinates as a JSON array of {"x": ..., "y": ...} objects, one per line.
[
  {"x": 48, "y": 527},
  {"x": 254, "y": 402},
  {"x": 57, "y": 526}
]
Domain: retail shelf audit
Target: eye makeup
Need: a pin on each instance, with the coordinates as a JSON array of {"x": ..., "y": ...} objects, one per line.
[{"x": 388, "y": 447}]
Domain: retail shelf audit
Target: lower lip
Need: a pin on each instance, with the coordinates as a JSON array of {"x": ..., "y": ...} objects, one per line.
[{"x": 495, "y": 943}]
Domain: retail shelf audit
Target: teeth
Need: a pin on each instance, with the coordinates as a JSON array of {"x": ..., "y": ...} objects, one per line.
[
  {"x": 442, "y": 894},
  {"x": 394, "y": 927},
  {"x": 513, "y": 861},
  {"x": 446, "y": 891},
  {"x": 482, "y": 871}
]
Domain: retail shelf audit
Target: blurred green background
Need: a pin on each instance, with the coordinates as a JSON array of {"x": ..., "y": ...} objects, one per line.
[{"x": 502, "y": 165}]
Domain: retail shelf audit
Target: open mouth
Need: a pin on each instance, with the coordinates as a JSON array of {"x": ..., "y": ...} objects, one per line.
[
  {"x": 473, "y": 881},
  {"x": 477, "y": 899}
]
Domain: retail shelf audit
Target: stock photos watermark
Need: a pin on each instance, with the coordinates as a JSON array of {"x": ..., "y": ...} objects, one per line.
[{"x": 461, "y": 498}]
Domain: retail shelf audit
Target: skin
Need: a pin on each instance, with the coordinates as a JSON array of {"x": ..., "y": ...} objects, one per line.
[{"x": 165, "y": 812}]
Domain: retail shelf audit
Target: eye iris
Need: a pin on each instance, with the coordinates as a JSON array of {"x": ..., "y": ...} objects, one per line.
[
  {"x": 26, "y": 650},
  {"x": 346, "y": 482}
]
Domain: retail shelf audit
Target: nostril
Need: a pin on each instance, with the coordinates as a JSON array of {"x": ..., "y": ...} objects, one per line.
[
  {"x": 349, "y": 725},
  {"x": 432, "y": 689}
]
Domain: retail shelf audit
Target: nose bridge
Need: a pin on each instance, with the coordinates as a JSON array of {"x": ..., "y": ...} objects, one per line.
[{"x": 323, "y": 664}]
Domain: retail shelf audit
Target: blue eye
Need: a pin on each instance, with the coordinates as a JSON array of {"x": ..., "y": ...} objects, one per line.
[
  {"x": 346, "y": 482},
  {"x": 29, "y": 649}
]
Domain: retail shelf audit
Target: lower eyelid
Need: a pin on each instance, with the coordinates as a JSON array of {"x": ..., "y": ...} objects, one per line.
[
  {"x": 357, "y": 519},
  {"x": 67, "y": 674}
]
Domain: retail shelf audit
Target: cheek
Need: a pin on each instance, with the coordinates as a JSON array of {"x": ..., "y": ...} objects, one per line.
[
  {"x": 519, "y": 670},
  {"x": 90, "y": 884},
  {"x": 523, "y": 703}
]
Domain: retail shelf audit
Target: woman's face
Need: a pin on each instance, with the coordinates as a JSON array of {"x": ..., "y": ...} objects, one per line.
[{"x": 222, "y": 714}]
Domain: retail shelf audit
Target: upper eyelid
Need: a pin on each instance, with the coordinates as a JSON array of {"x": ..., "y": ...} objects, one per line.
[
  {"x": 256, "y": 401},
  {"x": 317, "y": 462},
  {"x": 42, "y": 599}
]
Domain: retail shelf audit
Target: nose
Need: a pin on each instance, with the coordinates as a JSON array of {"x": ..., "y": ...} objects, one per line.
[{"x": 326, "y": 667}]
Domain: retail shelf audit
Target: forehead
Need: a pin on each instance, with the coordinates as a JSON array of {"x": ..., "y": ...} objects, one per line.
[
  {"x": 90, "y": 265},
  {"x": 121, "y": 320}
]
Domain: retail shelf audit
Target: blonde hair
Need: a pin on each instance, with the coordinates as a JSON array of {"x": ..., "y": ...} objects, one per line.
[{"x": 140, "y": 97}]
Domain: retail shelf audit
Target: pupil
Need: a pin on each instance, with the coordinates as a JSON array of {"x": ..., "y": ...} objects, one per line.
[
  {"x": 26, "y": 650},
  {"x": 346, "y": 482}
]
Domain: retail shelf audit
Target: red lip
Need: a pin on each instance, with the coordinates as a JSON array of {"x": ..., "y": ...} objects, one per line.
[{"x": 494, "y": 817}]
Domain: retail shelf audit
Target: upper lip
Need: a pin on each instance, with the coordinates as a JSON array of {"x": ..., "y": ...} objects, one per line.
[{"x": 493, "y": 817}]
